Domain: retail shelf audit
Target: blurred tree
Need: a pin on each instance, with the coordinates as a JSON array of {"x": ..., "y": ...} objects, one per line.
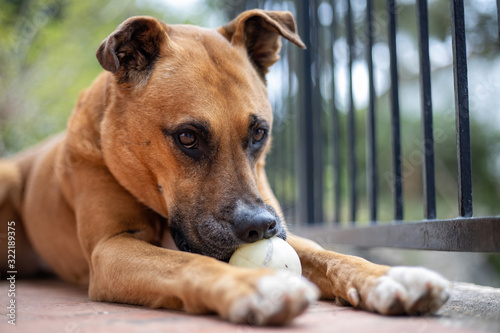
[{"x": 47, "y": 56}]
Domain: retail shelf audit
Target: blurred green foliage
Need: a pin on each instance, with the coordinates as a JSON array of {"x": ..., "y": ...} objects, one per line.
[{"x": 47, "y": 56}]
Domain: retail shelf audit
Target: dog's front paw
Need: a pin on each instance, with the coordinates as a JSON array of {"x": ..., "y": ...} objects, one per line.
[
  {"x": 406, "y": 290},
  {"x": 276, "y": 300}
]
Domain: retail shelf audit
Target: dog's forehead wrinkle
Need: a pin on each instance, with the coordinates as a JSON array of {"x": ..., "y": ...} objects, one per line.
[
  {"x": 256, "y": 119},
  {"x": 199, "y": 123}
]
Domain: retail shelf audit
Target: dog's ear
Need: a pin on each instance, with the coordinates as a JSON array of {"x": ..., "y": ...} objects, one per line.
[
  {"x": 132, "y": 49},
  {"x": 259, "y": 31}
]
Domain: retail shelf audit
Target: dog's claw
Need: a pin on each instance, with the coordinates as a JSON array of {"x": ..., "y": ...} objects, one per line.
[{"x": 353, "y": 296}]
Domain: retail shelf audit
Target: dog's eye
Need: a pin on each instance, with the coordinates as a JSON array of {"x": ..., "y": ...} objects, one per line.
[
  {"x": 188, "y": 139},
  {"x": 259, "y": 135}
]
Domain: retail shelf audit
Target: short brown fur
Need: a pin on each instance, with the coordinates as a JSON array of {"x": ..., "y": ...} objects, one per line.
[{"x": 98, "y": 202}]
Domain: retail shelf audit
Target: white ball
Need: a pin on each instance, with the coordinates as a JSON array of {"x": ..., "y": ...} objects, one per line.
[{"x": 272, "y": 253}]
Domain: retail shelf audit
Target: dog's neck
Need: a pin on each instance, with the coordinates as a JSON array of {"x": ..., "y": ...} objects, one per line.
[{"x": 84, "y": 139}]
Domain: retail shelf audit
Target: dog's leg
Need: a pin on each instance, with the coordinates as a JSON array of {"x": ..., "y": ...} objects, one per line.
[
  {"x": 377, "y": 288},
  {"x": 116, "y": 233},
  {"x": 129, "y": 270},
  {"x": 13, "y": 236}
]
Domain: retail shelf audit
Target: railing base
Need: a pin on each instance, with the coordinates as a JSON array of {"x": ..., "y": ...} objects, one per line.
[{"x": 480, "y": 234}]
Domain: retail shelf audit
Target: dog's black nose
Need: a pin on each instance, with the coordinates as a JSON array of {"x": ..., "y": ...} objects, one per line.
[{"x": 251, "y": 225}]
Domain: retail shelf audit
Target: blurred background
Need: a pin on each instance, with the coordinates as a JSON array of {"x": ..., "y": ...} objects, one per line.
[{"x": 47, "y": 56}]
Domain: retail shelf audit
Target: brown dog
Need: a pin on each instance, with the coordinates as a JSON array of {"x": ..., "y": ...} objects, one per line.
[{"x": 165, "y": 151}]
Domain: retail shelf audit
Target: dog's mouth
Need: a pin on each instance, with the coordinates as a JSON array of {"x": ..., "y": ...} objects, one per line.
[
  {"x": 180, "y": 240},
  {"x": 211, "y": 238}
]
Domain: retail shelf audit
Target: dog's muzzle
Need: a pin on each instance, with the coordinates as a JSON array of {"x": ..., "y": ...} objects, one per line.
[{"x": 220, "y": 237}]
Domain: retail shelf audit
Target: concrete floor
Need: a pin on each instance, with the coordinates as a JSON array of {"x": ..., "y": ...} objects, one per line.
[{"x": 54, "y": 306}]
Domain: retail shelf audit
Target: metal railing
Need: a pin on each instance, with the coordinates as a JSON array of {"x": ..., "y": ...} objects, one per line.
[{"x": 305, "y": 141}]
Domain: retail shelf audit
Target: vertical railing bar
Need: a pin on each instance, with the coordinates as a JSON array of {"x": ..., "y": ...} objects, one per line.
[
  {"x": 337, "y": 168},
  {"x": 426, "y": 97},
  {"x": 461, "y": 108},
  {"x": 371, "y": 142},
  {"x": 305, "y": 125},
  {"x": 336, "y": 164},
  {"x": 317, "y": 105},
  {"x": 273, "y": 165},
  {"x": 294, "y": 112},
  {"x": 351, "y": 120},
  {"x": 397, "y": 187},
  {"x": 284, "y": 137},
  {"x": 498, "y": 19}
]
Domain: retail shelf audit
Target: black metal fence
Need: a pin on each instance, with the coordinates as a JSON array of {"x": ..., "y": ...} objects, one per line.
[{"x": 312, "y": 131}]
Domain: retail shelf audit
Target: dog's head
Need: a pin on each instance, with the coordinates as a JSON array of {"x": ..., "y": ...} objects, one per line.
[{"x": 188, "y": 122}]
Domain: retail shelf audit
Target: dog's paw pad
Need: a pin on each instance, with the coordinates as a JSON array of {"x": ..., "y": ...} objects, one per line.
[
  {"x": 408, "y": 290},
  {"x": 277, "y": 299}
]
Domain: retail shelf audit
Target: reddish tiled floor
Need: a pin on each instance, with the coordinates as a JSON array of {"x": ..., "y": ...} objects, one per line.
[{"x": 54, "y": 306}]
